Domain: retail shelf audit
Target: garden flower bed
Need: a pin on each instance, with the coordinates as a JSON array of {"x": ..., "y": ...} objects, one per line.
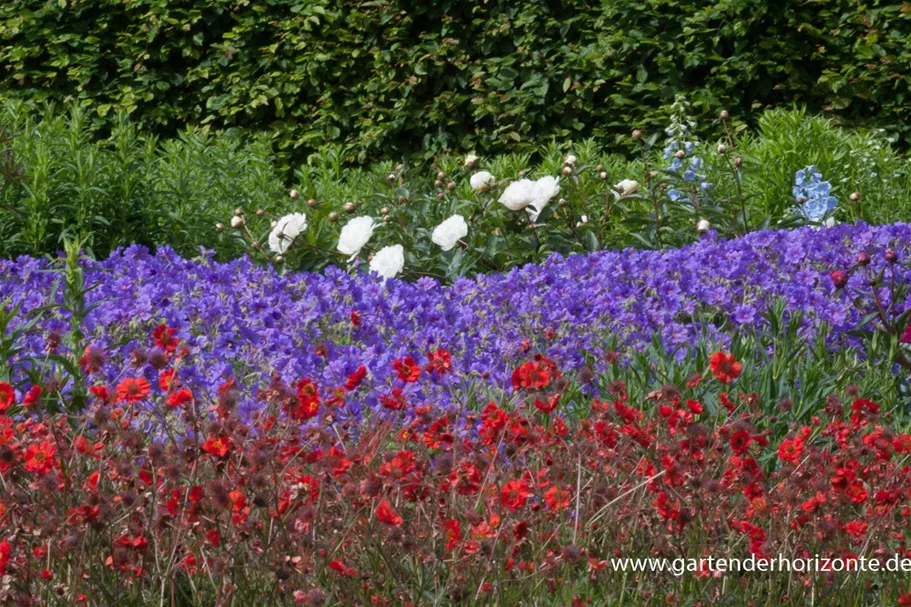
[{"x": 248, "y": 322}]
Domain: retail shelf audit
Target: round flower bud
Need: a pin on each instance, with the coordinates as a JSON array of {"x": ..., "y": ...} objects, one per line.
[
  {"x": 441, "y": 196},
  {"x": 384, "y": 211},
  {"x": 599, "y": 168},
  {"x": 441, "y": 175},
  {"x": 333, "y": 216},
  {"x": 279, "y": 259},
  {"x": 311, "y": 202},
  {"x": 722, "y": 148},
  {"x": 390, "y": 177},
  {"x": 839, "y": 279},
  {"x": 724, "y": 115},
  {"x": 863, "y": 259},
  {"x": 402, "y": 199},
  {"x": 567, "y": 170},
  {"x": 602, "y": 175},
  {"x": 470, "y": 161},
  {"x": 237, "y": 221},
  {"x": 220, "y": 226},
  {"x": 570, "y": 160},
  {"x": 450, "y": 186},
  {"x": 260, "y": 212},
  {"x": 350, "y": 207},
  {"x": 637, "y": 135},
  {"x": 738, "y": 162},
  {"x": 438, "y": 183},
  {"x": 891, "y": 255},
  {"x": 855, "y": 196},
  {"x": 385, "y": 217},
  {"x": 703, "y": 225},
  {"x": 294, "y": 194},
  {"x": 680, "y": 155},
  {"x": 238, "y": 212}
]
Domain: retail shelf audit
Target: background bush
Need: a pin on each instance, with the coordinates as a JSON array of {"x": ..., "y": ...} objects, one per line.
[
  {"x": 67, "y": 176},
  {"x": 123, "y": 188},
  {"x": 395, "y": 78}
]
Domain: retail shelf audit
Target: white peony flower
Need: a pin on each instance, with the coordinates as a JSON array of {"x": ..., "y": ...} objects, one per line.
[
  {"x": 627, "y": 187},
  {"x": 703, "y": 225},
  {"x": 518, "y": 194},
  {"x": 355, "y": 235},
  {"x": 388, "y": 261},
  {"x": 448, "y": 233},
  {"x": 545, "y": 189},
  {"x": 285, "y": 231},
  {"x": 482, "y": 180}
]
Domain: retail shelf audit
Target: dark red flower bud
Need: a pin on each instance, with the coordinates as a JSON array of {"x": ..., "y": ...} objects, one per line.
[
  {"x": 891, "y": 255},
  {"x": 863, "y": 259},
  {"x": 839, "y": 279}
]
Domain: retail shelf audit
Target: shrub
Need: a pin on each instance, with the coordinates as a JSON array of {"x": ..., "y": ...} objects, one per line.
[
  {"x": 123, "y": 187},
  {"x": 395, "y": 78}
]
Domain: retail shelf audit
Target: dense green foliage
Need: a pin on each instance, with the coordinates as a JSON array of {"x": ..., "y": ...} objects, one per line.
[
  {"x": 63, "y": 175},
  {"x": 121, "y": 189},
  {"x": 394, "y": 78}
]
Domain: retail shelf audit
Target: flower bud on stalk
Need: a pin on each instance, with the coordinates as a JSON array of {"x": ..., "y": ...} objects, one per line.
[
  {"x": 863, "y": 259},
  {"x": 220, "y": 226},
  {"x": 350, "y": 207},
  {"x": 311, "y": 203},
  {"x": 855, "y": 196},
  {"x": 637, "y": 135},
  {"x": 891, "y": 255},
  {"x": 294, "y": 194},
  {"x": 724, "y": 115},
  {"x": 237, "y": 222},
  {"x": 839, "y": 279}
]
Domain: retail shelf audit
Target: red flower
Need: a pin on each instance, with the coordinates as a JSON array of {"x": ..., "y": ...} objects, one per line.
[
  {"x": 355, "y": 379},
  {"x": 740, "y": 442},
  {"x": 790, "y": 450},
  {"x": 308, "y": 401},
  {"x": 548, "y": 405},
  {"x": 531, "y": 375},
  {"x": 556, "y": 498},
  {"x": 133, "y": 389},
  {"x": 355, "y": 318},
  {"x": 440, "y": 361},
  {"x": 217, "y": 446},
  {"x": 856, "y": 492},
  {"x": 514, "y": 494},
  {"x": 4, "y": 556},
  {"x": 394, "y": 401},
  {"x": 724, "y": 367},
  {"x": 407, "y": 368},
  {"x": 453, "y": 533},
  {"x": 164, "y": 338},
  {"x": 32, "y": 396},
  {"x": 856, "y": 528},
  {"x": 180, "y": 398},
  {"x": 387, "y": 514},
  {"x": 906, "y": 335},
  {"x": 40, "y": 458},
  {"x": 7, "y": 397}
]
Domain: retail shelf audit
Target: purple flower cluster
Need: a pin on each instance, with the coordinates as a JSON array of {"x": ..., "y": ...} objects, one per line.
[{"x": 251, "y": 322}]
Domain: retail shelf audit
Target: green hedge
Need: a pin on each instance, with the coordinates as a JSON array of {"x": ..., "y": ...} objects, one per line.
[{"x": 393, "y": 77}]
